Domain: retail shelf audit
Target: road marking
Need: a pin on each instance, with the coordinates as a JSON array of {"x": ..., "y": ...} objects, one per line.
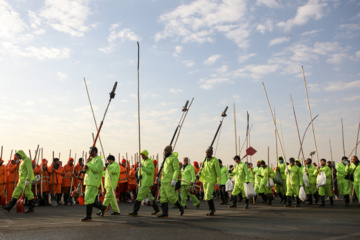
[{"x": 343, "y": 237}]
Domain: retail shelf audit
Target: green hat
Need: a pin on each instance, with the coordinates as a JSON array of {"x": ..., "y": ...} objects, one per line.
[{"x": 145, "y": 152}]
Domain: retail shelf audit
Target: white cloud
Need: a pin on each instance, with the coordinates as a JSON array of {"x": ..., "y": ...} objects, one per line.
[
  {"x": 266, "y": 26},
  {"x": 313, "y": 9},
  {"x": 244, "y": 58},
  {"x": 122, "y": 35},
  {"x": 11, "y": 23},
  {"x": 279, "y": 41},
  {"x": 351, "y": 99},
  {"x": 61, "y": 75},
  {"x": 255, "y": 71},
  {"x": 212, "y": 59},
  {"x": 188, "y": 63},
  {"x": 310, "y": 33},
  {"x": 351, "y": 30},
  {"x": 341, "y": 86},
  {"x": 314, "y": 87},
  {"x": 35, "y": 21},
  {"x": 209, "y": 83},
  {"x": 268, "y": 3},
  {"x": 68, "y": 16},
  {"x": 200, "y": 20},
  {"x": 222, "y": 69},
  {"x": 177, "y": 51},
  {"x": 46, "y": 53},
  {"x": 178, "y": 90}
]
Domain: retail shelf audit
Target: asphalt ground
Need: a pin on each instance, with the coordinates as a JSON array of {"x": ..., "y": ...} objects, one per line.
[{"x": 258, "y": 222}]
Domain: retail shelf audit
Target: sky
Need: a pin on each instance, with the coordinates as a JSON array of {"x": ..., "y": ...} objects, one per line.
[{"x": 218, "y": 52}]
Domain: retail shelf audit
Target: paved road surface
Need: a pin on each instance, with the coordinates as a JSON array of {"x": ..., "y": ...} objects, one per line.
[{"x": 259, "y": 222}]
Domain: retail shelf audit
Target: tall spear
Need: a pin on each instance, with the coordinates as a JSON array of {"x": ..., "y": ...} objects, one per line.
[
  {"x": 235, "y": 130},
  {"x": 138, "y": 92},
  {"x": 342, "y": 133}
]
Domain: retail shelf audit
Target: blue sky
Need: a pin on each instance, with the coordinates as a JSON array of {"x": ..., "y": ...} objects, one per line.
[{"x": 216, "y": 51}]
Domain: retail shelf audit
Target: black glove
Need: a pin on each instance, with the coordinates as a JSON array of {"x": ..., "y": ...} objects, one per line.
[
  {"x": 247, "y": 182},
  {"x": 106, "y": 165},
  {"x": 140, "y": 177},
  {"x": 230, "y": 171}
]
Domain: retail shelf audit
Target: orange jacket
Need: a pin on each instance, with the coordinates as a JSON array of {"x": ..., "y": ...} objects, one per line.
[
  {"x": 156, "y": 171},
  {"x": 12, "y": 171},
  {"x": 45, "y": 179},
  {"x": 2, "y": 175},
  {"x": 123, "y": 174},
  {"x": 132, "y": 176},
  {"x": 56, "y": 176},
  {"x": 36, "y": 170},
  {"x": 67, "y": 175}
]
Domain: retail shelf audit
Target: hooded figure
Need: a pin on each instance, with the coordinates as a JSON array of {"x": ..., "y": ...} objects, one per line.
[
  {"x": 26, "y": 176},
  {"x": 281, "y": 190},
  {"x": 68, "y": 176},
  {"x": 2, "y": 178}
]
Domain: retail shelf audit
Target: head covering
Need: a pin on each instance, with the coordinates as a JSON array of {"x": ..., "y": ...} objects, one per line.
[
  {"x": 209, "y": 150},
  {"x": 94, "y": 149},
  {"x": 155, "y": 162},
  {"x": 237, "y": 157},
  {"x": 145, "y": 152},
  {"x": 1, "y": 160},
  {"x": 123, "y": 160},
  {"x": 220, "y": 161},
  {"x": 136, "y": 165},
  {"x": 259, "y": 160},
  {"x": 44, "y": 161},
  {"x": 298, "y": 160},
  {"x": 262, "y": 162},
  {"x": 55, "y": 159},
  {"x": 281, "y": 158},
  {"x": 323, "y": 159},
  {"x": 168, "y": 149},
  {"x": 70, "y": 159},
  {"x": 110, "y": 157},
  {"x": 180, "y": 163},
  {"x": 292, "y": 160},
  {"x": 344, "y": 158},
  {"x": 195, "y": 163}
]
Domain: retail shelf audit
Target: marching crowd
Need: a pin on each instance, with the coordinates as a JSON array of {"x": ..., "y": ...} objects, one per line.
[{"x": 102, "y": 186}]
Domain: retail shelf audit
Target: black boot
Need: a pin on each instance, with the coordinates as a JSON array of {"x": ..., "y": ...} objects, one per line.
[
  {"x": 165, "y": 210},
  {"x": 310, "y": 199},
  {"x": 322, "y": 198},
  {"x": 88, "y": 213},
  {"x": 137, "y": 205},
  {"x": 181, "y": 208},
  {"x": 281, "y": 197},
  {"x": 331, "y": 201},
  {"x": 102, "y": 208},
  {"x": 10, "y": 205},
  {"x": 297, "y": 202},
  {"x": 31, "y": 206},
  {"x": 240, "y": 197},
  {"x": 156, "y": 208},
  {"x": 263, "y": 196},
  {"x": 288, "y": 201},
  {"x": 58, "y": 198},
  {"x": 247, "y": 203},
  {"x": 234, "y": 200},
  {"x": 211, "y": 208},
  {"x": 285, "y": 199},
  {"x": 347, "y": 200},
  {"x": 316, "y": 196},
  {"x": 66, "y": 199}
]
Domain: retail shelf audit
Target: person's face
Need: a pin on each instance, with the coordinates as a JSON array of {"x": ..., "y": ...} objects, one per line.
[
  {"x": 263, "y": 165},
  {"x": 297, "y": 163},
  {"x": 329, "y": 164},
  {"x": 208, "y": 154},
  {"x": 292, "y": 163},
  {"x": 250, "y": 165},
  {"x": 323, "y": 163},
  {"x": 92, "y": 153},
  {"x": 308, "y": 161},
  {"x": 180, "y": 165},
  {"x": 343, "y": 160},
  {"x": 186, "y": 161},
  {"x": 197, "y": 165},
  {"x": 220, "y": 165},
  {"x": 143, "y": 156},
  {"x": 258, "y": 164},
  {"x": 56, "y": 163},
  {"x": 71, "y": 162},
  {"x": 18, "y": 157},
  {"x": 110, "y": 161},
  {"x": 237, "y": 160},
  {"x": 353, "y": 159}
]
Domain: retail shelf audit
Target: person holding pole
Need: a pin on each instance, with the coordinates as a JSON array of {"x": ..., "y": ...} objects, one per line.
[
  {"x": 353, "y": 169},
  {"x": 343, "y": 182},
  {"x": 68, "y": 175},
  {"x": 224, "y": 171},
  {"x": 188, "y": 176},
  {"x": 114, "y": 172},
  {"x": 2, "y": 178},
  {"x": 294, "y": 181},
  {"x": 93, "y": 176},
  {"x": 26, "y": 176},
  {"x": 326, "y": 189},
  {"x": 242, "y": 175},
  {"x": 281, "y": 189},
  {"x": 146, "y": 178},
  {"x": 169, "y": 177},
  {"x": 265, "y": 174},
  {"x": 310, "y": 191},
  {"x": 12, "y": 177}
]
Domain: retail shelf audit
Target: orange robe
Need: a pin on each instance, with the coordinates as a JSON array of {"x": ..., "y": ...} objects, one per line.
[
  {"x": 67, "y": 175},
  {"x": 12, "y": 171},
  {"x": 45, "y": 180},
  {"x": 56, "y": 179},
  {"x": 2, "y": 180}
]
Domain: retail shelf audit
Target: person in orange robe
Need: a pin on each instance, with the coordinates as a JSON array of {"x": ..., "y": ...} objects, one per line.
[
  {"x": 79, "y": 166},
  {"x": 45, "y": 181},
  {"x": 12, "y": 177},
  {"x": 132, "y": 182},
  {"x": 156, "y": 171},
  {"x": 2, "y": 178},
  {"x": 122, "y": 188},
  {"x": 197, "y": 170},
  {"x": 68, "y": 175},
  {"x": 55, "y": 171}
]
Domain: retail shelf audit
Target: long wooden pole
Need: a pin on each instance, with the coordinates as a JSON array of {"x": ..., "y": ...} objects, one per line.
[
  {"x": 312, "y": 124},
  {"x": 138, "y": 91},
  {"x": 247, "y": 132},
  {"x": 357, "y": 137},
  {"x": 342, "y": 133},
  {"x": 235, "y": 131},
  {"x": 297, "y": 127},
  {"x": 276, "y": 143},
  {"x": 282, "y": 135}
]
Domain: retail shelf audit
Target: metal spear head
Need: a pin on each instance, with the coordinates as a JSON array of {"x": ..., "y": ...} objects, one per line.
[
  {"x": 185, "y": 107},
  {"x": 312, "y": 153},
  {"x": 112, "y": 94},
  {"x": 224, "y": 112}
]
